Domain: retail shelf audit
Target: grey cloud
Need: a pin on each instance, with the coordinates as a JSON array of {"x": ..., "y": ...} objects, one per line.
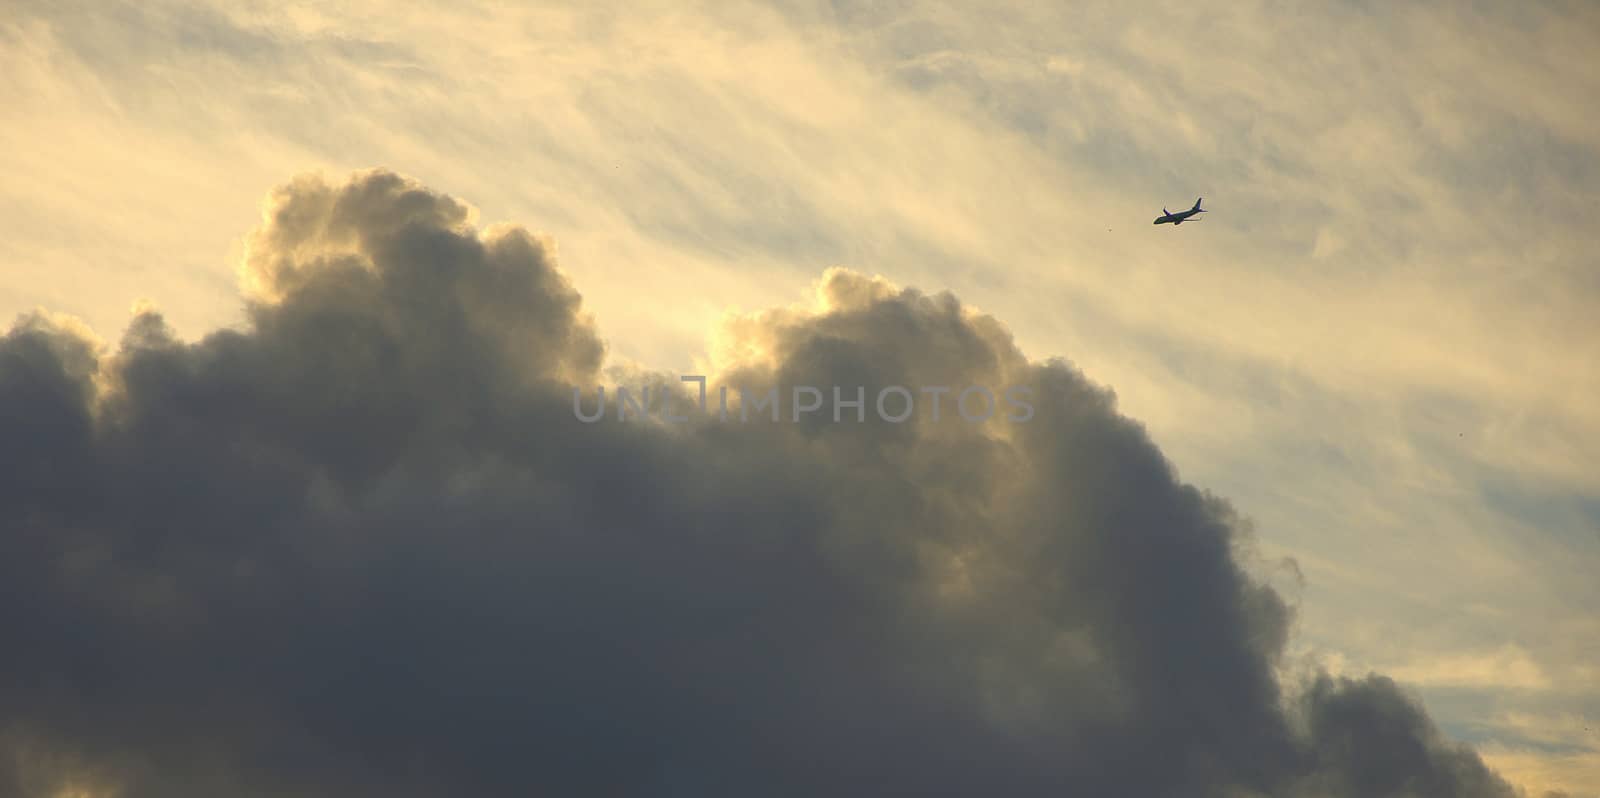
[
  {"x": 1374, "y": 740},
  {"x": 363, "y": 547}
]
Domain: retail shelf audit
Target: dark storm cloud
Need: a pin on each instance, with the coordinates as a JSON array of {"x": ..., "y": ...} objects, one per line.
[{"x": 364, "y": 548}]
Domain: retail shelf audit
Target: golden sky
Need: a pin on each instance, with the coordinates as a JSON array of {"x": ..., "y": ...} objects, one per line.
[{"x": 1381, "y": 345}]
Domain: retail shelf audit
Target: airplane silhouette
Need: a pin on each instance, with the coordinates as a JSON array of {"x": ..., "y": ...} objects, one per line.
[{"x": 1181, "y": 216}]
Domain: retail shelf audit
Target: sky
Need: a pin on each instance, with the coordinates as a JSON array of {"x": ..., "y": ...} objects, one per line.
[{"x": 1378, "y": 348}]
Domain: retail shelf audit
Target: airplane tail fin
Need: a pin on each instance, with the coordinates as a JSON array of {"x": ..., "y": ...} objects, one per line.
[{"x": 1197, "y": 205}]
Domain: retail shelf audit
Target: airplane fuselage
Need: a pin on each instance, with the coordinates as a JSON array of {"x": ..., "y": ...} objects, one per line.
[
  {"x": 1168, "y": 217},
  {"x": 1176, "y": 218}
]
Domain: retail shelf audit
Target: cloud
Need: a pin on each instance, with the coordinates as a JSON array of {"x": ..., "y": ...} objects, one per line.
[
  {"x": 361, "y": 546},
  {"x": 1510, "y": 666}
]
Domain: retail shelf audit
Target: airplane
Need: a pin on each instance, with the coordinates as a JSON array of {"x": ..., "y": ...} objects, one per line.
[{"x": 1181, "y": 216}]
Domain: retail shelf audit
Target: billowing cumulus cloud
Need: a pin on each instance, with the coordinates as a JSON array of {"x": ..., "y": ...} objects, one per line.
[{"x": 362, "y": 546}]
